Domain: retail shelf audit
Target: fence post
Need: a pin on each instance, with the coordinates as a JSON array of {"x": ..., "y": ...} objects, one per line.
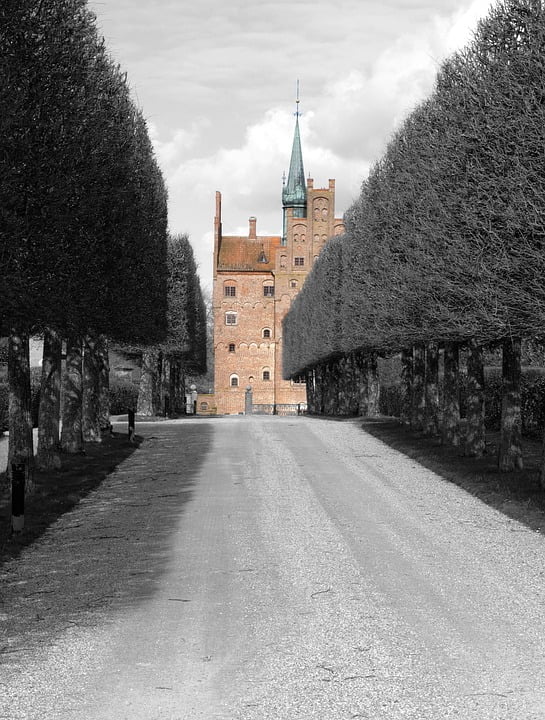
[
  {"x": 18, "y": 473},
  {"x": 131, "y": 415}
]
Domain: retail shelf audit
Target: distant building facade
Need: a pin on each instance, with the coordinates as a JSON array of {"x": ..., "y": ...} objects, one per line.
[{"x": 255, "y": 280}]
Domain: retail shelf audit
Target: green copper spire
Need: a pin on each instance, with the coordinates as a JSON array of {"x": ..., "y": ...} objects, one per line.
[{"x": 294, "y": 191}]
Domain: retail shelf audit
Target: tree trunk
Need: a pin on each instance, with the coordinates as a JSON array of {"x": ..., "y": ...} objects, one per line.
[
  {"x": 373, "y": 386},
  {"x": 510, "y": 450},
  {"x": 475, "y": 432},
  {"x": 311, "y": 392},
  {"x": 431, "y": 425},
  {"x": 450, "y": 426},
  {"x": 166, "y": 405},
  {"x": 48, "y": 457},
  {"x": 72, "y": 415},
  {"x": 330, "y": 389},
  {"x": 406, "y": 386},
  {"x": 103, "y": 383},
  {"x": 342, "y": 369},
  {"x": 91, "y": 391},
  {"x": 360, "y": 383},
  {"x": 21, "y": 450},
  {"x": 172, "y": 379},
  {"x": 158, "y": 387},
  {"x": 419, "y": 389},
  {"x": 319, "y": 390},
  {"x": 148, "y": 381},
  {"x": 354, "y": 385},
  {"x": 179, "y": 405}
]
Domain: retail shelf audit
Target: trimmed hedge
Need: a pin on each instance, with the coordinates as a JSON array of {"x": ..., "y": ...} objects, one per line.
[
  {"x": 123, "y": 396},
  {"x": 532, "y": 401},
  {"x": 390, "y": 400}
]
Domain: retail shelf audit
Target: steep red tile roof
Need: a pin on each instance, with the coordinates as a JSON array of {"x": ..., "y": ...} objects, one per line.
[{"x": 244, "y": 253}]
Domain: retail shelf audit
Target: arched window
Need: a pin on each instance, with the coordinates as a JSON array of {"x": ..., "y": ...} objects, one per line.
[
  {"x": 229, "y": 288},
  {"x": 268, "y": 288},
  {"x": 230, "y": 318},
  {"x": 233, "y": 381},
  {"x": 204, "y": 406},
  {"x": 266, "y": 333},
  {"x": 266, "y": 375}
]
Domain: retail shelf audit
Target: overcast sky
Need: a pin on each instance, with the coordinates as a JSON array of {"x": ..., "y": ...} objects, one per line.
[{"x": 217, "y": 80}]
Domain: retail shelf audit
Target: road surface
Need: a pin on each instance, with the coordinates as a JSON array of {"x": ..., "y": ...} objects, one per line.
[{"x": 311, "y": 572}]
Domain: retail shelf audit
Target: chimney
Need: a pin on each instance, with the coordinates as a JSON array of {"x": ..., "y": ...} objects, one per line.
[
  {"x": 332, "y": 184},
  {"x": 253, "y": 234}
]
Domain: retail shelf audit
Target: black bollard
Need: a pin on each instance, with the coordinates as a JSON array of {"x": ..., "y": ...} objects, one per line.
[
  {"x": 18, "y": 472},
  {"x": 131, "y": 425}
]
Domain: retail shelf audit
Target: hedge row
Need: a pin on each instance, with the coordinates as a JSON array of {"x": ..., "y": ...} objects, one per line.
[
  {"x": 123, "y": 397},
  {"x": 532, "y": 401}
]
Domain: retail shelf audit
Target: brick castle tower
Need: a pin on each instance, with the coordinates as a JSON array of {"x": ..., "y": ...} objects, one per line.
[{"x": 255, "y": 280}]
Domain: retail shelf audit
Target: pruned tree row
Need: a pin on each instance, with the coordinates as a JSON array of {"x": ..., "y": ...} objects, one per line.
[
  {"x": 84, "y": 251},
  {"x": 444, "y": 247},
  {"x": 183, "y": 350}
]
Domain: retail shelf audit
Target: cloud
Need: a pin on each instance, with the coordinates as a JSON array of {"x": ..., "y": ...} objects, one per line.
[{"x": 351, "y": 106}]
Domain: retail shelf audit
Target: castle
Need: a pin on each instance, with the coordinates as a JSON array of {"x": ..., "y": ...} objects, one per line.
[{"x": 255, "y": 280}]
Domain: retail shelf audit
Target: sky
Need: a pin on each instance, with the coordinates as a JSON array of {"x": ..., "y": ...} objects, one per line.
[{"x": 217, "y": 84}]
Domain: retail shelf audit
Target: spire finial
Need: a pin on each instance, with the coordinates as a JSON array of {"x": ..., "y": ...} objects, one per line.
[{"x": 297, "y": 113}]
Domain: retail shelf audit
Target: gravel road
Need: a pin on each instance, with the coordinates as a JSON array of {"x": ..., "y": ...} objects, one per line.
[{"x": 312, "y": 573}]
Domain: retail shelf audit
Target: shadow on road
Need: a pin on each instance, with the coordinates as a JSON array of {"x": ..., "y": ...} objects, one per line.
[
  {"x": 517, "y": 494},
  {"x": 101, "y": 535},
  {"x": 56, "y": 492}
]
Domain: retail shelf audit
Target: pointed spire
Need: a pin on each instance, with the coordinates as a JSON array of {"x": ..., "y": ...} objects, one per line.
[{"x": 294, "y": 193}]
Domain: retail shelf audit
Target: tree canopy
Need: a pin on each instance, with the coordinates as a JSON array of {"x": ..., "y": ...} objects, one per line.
[
  {"x": 83, "y": 204},
  {"x": 445, "y": 241}
]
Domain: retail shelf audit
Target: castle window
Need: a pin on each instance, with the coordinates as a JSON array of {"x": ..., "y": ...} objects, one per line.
[
  {"x": 231, "y": 347},
  {"x": 266, "y": 333},
  {"x": 229, "y": 290},
  {"x": 204, "y": 406},
  {"x": 233, "y": 381},
  {"x": 230, "y": 318},
  {"x": 293, "y": 283},
  {"x": 299, "y": 261},
  {"x": 266, "y": 374},
  {"x": 268, "y": 290},
  {"x": 283, "y": 261}
]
